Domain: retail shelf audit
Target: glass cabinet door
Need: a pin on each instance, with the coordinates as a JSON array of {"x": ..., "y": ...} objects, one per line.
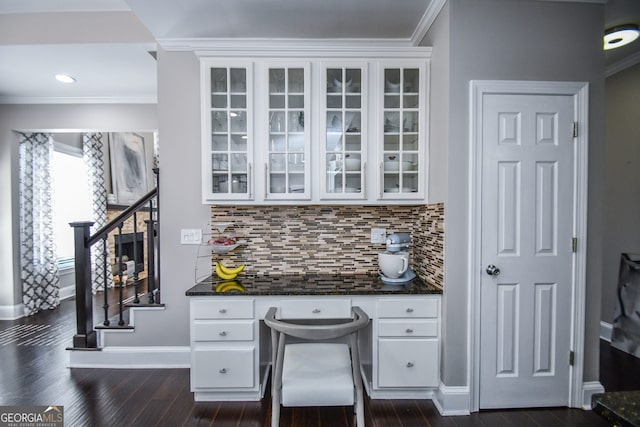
[
  {"x": 344, "y": 129},
  {"x": 403, "y": 146},
  {"x": 229, "y": 149},
  {"x": 287, "y": 167}
]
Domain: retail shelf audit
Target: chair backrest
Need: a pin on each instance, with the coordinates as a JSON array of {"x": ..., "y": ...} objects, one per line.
[{"x": 317, "y": 332}]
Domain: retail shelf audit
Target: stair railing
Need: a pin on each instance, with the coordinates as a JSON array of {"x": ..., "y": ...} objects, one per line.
[{"x": 86, "y": 337}]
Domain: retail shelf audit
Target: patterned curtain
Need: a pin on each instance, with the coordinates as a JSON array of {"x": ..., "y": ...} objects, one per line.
[
  {"x": 92, "y": 151},
  {"x": 40, "y": 278}
]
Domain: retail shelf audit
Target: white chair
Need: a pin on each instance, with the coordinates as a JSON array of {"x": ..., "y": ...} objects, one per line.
[{"x": 315, "y": 372}]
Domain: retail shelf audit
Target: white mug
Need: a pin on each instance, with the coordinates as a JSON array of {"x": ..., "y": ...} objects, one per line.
[{"x": 393, "y": 264}]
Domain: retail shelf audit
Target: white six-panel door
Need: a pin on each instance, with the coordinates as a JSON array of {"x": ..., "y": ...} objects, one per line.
[{"x": 527, "y": 230}]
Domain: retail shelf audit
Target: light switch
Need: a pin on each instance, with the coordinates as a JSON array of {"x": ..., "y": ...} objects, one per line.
[
  {"x": 379, "y": 235},
  {"x": 190, "y": 236}
]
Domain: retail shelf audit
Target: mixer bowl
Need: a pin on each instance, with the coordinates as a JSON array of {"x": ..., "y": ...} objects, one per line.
[{"x": 393, "y": 264}]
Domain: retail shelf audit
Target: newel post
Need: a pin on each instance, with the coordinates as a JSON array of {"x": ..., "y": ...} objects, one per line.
[{"x": 85, "y": 336}]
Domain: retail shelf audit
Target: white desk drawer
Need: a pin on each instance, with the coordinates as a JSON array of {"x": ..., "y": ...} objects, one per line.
[
  {"x": 222, "y": 308},
  {"x": 315, "y": 309},
  {"x": 408, "y": 328},
  {"x": 408, "y": 307},
  {"x": 407, "y": 363},
  {"x": 223, "y": 331},
  {"x": 223, "y": 368}
]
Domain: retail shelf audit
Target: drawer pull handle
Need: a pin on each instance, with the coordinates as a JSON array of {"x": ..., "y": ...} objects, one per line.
[
  {"x": 223, "y": 371},
  {"x": 409, "y": 310},
  {"x": 223, "y": 333},
  {"x": 409, "y": 330},
  {"x": 316, "y": 310},
  {"x": 223, "y": 310},
  {"x": 409, "y": 364}
]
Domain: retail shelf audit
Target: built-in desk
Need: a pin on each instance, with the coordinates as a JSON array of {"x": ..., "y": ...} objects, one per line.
[{"x": 231, "y": 346}]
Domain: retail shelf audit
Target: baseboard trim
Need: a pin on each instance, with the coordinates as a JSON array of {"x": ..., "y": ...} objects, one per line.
[
  {"x": 590, "y": 388},
  {"x": 606, "y": 331},
  {"x": 156, "y": 357},
  {"x": 11, "y": 312},
  {"x": 67, "y": 292},
  {"x": 452, "y": 401}
]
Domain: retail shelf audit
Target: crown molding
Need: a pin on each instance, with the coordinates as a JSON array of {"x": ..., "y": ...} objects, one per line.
[
  {"x": 623, "y": 64},
  {"x": 309, "y": 48},
  {"x": 285, "y": 46},
  {"x": 428, "y": 18}
]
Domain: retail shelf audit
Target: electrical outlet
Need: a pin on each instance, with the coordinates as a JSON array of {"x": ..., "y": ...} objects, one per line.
[
  {"x": 378, "y": 235},
  {"x": 190, "y": 236}
]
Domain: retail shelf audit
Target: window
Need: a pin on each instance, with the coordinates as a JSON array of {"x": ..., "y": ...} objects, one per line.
[{"x": 71, "y": 201}]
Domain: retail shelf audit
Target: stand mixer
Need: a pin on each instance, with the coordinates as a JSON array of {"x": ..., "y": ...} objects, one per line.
[{"x": 394, "y": 263}]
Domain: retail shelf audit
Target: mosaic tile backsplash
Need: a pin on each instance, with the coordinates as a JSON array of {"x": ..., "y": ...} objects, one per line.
[{"x": 330, "y": 239}]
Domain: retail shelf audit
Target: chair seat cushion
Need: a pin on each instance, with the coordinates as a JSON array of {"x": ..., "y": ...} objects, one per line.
[{"x": 317, "y": 374}]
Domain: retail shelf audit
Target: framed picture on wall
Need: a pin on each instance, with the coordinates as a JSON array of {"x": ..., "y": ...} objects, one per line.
[{"x": 128, "y": 166}]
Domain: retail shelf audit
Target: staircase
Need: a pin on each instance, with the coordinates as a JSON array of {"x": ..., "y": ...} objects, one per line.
[{"x": 130, "y": 291}]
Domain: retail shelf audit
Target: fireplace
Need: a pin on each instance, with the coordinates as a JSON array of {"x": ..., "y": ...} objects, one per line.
[{"x": 127, "y": 240}]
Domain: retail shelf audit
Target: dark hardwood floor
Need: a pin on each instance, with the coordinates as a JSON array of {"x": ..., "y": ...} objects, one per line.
[{"x": 33, "y": 371}]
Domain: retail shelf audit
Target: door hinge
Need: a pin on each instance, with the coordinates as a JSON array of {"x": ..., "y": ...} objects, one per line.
[
  {"x": 572, "y": 358},
  {"x": 574, "y": 244},
  {"x": 575, "y": 129}
]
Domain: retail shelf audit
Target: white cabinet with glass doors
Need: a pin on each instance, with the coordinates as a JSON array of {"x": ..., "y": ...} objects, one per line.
[
  {"x": 403, "y": 112},
  {"x": 227, "y": 151},
  {"x": 343, "y": 124},
  {"x": 287, "y": 167},
  {"x": 321, "y": 130}
]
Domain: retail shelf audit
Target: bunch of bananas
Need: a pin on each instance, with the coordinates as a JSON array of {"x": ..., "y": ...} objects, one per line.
[
  {"x": 229, "y": 286},
  {"x": 226, "y": 273}
]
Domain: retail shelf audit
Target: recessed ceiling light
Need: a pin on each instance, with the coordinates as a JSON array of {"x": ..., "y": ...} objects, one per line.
[
  {"x": 620, "y": 36},
  {"x": 65, "y": 78}
]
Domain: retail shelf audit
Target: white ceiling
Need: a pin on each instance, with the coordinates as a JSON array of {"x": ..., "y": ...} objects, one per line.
[
  {"x": 124, "y": 71},
  {"x": 105, "y": 73}
]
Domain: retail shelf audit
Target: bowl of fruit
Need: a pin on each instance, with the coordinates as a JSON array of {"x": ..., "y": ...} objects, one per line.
[{"x": 223, "y": 245}]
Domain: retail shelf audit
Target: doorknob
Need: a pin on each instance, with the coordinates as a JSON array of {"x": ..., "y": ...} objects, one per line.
[{"x": 492, "y": 270}]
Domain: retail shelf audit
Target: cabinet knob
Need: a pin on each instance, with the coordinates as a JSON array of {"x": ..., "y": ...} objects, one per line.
[
  {"x": 223, "y": 371},
  {"x": 316, "y": 310},
  {"x": 409, "y": 310},
  {"x": 409, "y": 364},
  {"x": 223, "y": 310},
  {"x": 223, "y": 333},
  {"x": 409, "y": 330}
]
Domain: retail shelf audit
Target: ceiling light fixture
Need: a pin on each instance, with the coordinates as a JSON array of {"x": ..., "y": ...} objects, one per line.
[
  {"x": 65, "y": 78},
  {"x": 620, "y": 36}
]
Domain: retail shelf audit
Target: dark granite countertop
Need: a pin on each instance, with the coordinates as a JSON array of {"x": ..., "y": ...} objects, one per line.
[
  {"x": 312, "y": 284},
  {"x": 622, "y": 408}
]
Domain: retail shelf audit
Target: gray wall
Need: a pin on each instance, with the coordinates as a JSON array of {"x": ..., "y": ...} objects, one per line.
[
  {"x": 438, "y": 37},
  {"x": 506, "y": 40},
  {"x": 73, "y": 27},
  {"x": 622, "y": 182},
  {"x": 51, "y": 118},
  {"x": 180, "y": 201}
]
